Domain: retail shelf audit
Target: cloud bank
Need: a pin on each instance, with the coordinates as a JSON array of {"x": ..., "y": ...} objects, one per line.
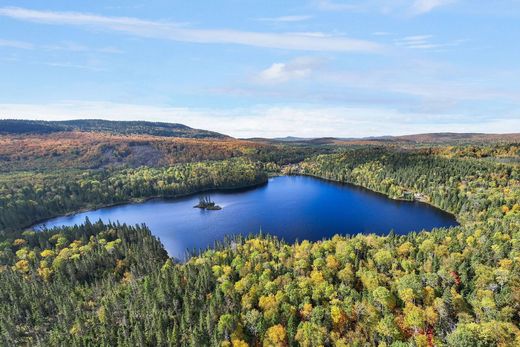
[{"x": 270, "y": 121}]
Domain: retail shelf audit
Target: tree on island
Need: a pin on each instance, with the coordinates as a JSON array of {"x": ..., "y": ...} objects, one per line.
[{"x": 206, "y": 203}]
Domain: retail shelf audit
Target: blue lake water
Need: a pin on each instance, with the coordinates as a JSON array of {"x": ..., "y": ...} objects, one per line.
[{"x": 290, "y": 207}]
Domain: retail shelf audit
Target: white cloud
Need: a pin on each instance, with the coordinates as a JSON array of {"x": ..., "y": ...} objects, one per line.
[
  {"x": 174, "y": 32},
  {"x": 283, "y": 19},
  {"x": 301, "y": 120},
  {"x": 298, "y": 68}
]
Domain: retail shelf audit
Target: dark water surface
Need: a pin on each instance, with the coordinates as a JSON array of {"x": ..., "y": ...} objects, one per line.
[{"x": 290, "y": 207}]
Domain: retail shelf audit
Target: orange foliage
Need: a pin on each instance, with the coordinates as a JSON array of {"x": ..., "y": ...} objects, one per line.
[{"x": 77, "y": 149}]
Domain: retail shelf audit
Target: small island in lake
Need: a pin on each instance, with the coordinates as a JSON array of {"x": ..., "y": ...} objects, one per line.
[{"x": 205, "y": 203}]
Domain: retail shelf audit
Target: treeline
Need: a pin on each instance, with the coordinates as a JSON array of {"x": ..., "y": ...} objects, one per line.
[
  {"x": 505, "y": 152},
  {"x": 29, "y": 197},
  {"x": 471, "y": 189},
  {"x": 110, "y": 285}
]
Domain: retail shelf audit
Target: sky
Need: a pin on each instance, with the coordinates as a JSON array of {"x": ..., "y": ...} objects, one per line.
[{"x": 307, "y": 68}]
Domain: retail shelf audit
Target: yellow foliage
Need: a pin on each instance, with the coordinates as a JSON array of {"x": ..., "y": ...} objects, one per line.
[
  {"x": 317, "y": 277},
  {"x": 276, "y": 336},
  {"x": 430, "y": 315},
  {"x": 47, "y": 253},
  {"x": 332, "y": 263},
  {"x": 421, "y": 341},
  {"x": 306, "y": 311},
  {"x": 429, "y": 295},
  {"x": 506, "y": 264},
  {"x": 102, "y": 314},
  {"x": 405, "y": 248},
  {"x": 413, "y": 316},
  {"x": 22, "y": 266},
  {"x": 45, "y": 273},
  {"x": 346, "y": 274},
  {"x": 383, "y": 257},
  {"x": 127, "y": 277},
  {"x": 65, "y": 253},
  {"x": 22, "y": 253},
  {"x": 75, "y": 329},
  {"x": 239, "y": 343},
  {"x": 19, "y": 242},
  {"x": 406, "y": 294},
  {"x": 267, "y": 303},
  {"x": 339, "y": 318}
]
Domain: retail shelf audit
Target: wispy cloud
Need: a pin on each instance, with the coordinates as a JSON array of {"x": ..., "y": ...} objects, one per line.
[
  {"x": 420, "y": 85},
  {"x": 61, "y": 46},
  {"x": 410, "y": 7},
  {"x": 415, "y": 41},
  {"x": 424, "y": 42},
  {"x": 68, "y": 65},
  {"x": 16, "y": 44},
  {"x": 382, "y": 33},
  {"x": 295, "y": 69},
  {"x": 283, "y": 19},
  {"x": 75, "y": 47},
  {"x": 424, "y": 6},
  {"x": 313, "y": 121},
  {"x": 173, "y": 32},
  {"x": 328, "y": 5}
]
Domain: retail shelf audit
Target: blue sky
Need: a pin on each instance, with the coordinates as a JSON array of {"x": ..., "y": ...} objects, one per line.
[{"x": 267, "y": 68}]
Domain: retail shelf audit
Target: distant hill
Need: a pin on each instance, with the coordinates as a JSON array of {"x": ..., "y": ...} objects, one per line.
[
  {"x": 429, "y": 138},
  {"x": 458, "y": 137},
  {"x": 13, "y": 126},
  {"x": 291, "y": 139}
]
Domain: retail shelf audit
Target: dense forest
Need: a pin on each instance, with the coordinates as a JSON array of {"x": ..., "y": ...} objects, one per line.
[
  {"x": 471, "y": 189},
  {"x": 29, "y": 197},
  {"x": 457, "y": 287},
  {"x": 114, "y": 284},
  {"x": 94, "y": 150}
]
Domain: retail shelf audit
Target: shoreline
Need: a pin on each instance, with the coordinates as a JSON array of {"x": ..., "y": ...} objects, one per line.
[
  {"x": 228, "y": 189},
  {"x": 379, "y": 193},
  {"x": 134, "y": 201}
]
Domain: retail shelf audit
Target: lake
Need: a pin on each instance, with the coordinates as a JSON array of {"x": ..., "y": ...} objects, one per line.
[{"x": 290, "y": 207}]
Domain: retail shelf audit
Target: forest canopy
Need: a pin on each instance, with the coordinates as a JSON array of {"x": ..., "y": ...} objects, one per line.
[{"x": 456, "y": 286}]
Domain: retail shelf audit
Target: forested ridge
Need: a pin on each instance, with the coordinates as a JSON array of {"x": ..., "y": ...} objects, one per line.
[
  {"x": 94, "y": 150},
  {"x": 448, "y": 287},
  {"x": 21, "y": 126}
]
